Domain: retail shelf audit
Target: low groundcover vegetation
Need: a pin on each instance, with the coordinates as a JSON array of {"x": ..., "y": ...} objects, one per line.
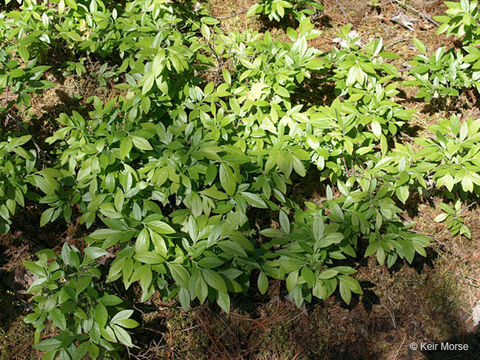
[{"x": 183, "y": 178}]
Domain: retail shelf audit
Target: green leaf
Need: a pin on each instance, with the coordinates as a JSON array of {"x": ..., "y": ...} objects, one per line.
[
  {"x": 179, "y": 274},
  {"x": 143, "y": 241},
  {"x": 110, "y": 300},
  {"x": 46, "y": 216},
  {"x": 376, "y": 128},
  {"x": 380, "y": 255},
  {"x": 285, "y": 162},
  {"x": 271, "y": 233},
  {"x": 351, "y": 283},
  {"x": 262, "y": 282},
  {"x": 402, "y": 193},
  {"x": 127, "y": 323},
  {"x": 332, "y": 238},
  {"x": 160, "y": 227},
  {"x": 215, "y": 194},
  {"x": 227, "y": 179},
  {"x": 122, "y": 335},
  {"x": 214, "y": 279},
  {"x": 148, "y": 83},
  {"x": 232, "y": 248},
  {"x": 345, "y": 291},
  {"x": 184, "y": 297},
  {"x": 95, "y": 252},
  {"x": 121, "y": 315},
  {"x": 223, "y": 301},
  {"x": 150, "y": 258},
  {"x": 308, "y": 276},
  {"x": 196, "y": 206},
  {"x": 35, "y": 269},
  {"x": 49, "y": 344},
  {"x": 58, "y": 319},
  {"x": 83, "y": 283},
  {"x": 319, "y": 290},
  {"x": 255, "y": 200},
  {"x": 408, "y": 249},
  {"x": 101, "y": 315},
  {"x": 23, "y": 52},
  {"x": 467, "y": 184},
  {"x": 292, "y": 280},
  {"x": 72, "y": 4},
  {"x": 108, "y": 334},
  {"x": 318, "y": 228},
  {"x": 420, "y": 46},
  {"x": 211, "y": 174},
  {"x": 327, "y": 274},
  {"x": 298, "y": 166},
  {"x": 125, "y": 147},
  {"x": 441, "y": 217},
  {"x": 201, "y": 289},
  {"x": 141, "y": 143},
  {"x": 93, "y": 351},
  {"x": 284, "y": 221}
]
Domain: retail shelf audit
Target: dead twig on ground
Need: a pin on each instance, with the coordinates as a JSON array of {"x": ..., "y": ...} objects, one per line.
[
  {"x": 392, "y": 316},
  {"x": 395, "y": 42},
  {"x": 232, "y": 15},
  {"x": 342, "y": 9},
  {"x": 416, "y": 12}
]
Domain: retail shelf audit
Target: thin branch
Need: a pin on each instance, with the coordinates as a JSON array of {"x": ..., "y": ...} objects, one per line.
[
  {"x": 232, "y": 15},
  {"x": 417, "y": 12},
  {"x": 398, "y": 41}
]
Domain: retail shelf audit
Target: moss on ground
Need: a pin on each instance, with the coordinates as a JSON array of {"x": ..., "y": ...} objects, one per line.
[{"x": 16, "y": 343}]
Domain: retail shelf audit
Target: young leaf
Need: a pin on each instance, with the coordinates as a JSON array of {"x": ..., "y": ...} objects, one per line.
[
  {"x": 284, "y": 221},
  {"x": 223, "y": 301},
  {"x": 214, "y": 279},
  {"x": 227, "y": 179},
  {"x": 122, "y": 335},
  {"x": 262, "y": 282},
  {"x": 95, "y": 252}
]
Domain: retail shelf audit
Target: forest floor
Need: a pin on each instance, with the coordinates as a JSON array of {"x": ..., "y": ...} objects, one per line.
[{"x": 428, "y": 302}]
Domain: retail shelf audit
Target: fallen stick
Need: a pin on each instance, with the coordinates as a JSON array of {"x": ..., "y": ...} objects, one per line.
[
  {"x": 417, "y": 12},
  {"x": 232, "y": 15},
  {"x": 398, "y": 41}
]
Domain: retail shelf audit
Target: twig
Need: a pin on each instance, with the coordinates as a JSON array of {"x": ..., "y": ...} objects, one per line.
[
  {"x": 22, "y": 349},
  {"x": 215, "y": 343},
  {"x": 342, "y": 9},
  {"x": 417, "y": 12},
  {"x": 469, "y": 206},
  {"x": 393, "y": 43},
  {"x": 153, "y": 330},
  {"x": 392, "y": 315},
  {"x": 407, "y": 136},
  {"x": 398, "y": 349},
  {"x": 40, "y": 152},
  {"x": 232, "y": 15}
]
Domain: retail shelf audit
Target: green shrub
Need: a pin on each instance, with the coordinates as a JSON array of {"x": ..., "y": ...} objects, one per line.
[
  {"x": 15, "y": 164},
  {"x": 453, "y": 154},
  {"x": 20, "y": 81},
  {"x": 277, "y": 9},
  {"x": 446, "y": 72},
  {"x": 441, "y": 74},
  {"x": 177, "y": 177},
  {"x": 70, "y": 297},
  {"x": 461, "y": 20},
  {"x": 453, "y": 220}
]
